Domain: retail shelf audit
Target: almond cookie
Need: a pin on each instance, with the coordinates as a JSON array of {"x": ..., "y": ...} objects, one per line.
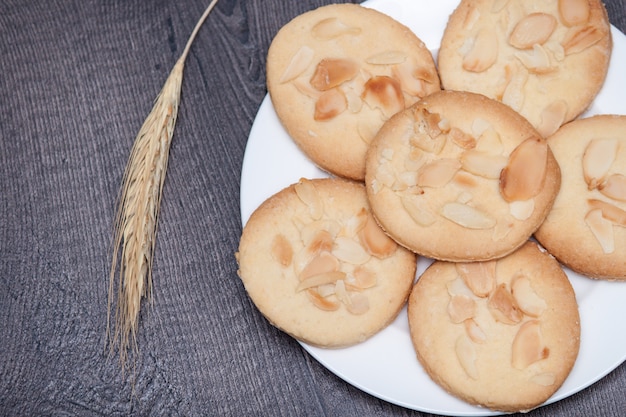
[
  {"x": 318, "y": 267},
  {"x": 586, "y": 229},
  {"x": 547, "y": 59},
  {"x": 460, "y": 177},
  {"x": 336, "y": 73},
  {"x": 502, "y": 334}
]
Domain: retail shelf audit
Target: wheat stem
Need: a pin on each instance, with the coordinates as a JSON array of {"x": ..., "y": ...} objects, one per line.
[{"x": 138, "y": 207}]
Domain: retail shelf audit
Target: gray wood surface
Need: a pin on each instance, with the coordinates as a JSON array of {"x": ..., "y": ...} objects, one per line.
[{"x": 77, "y": 79}]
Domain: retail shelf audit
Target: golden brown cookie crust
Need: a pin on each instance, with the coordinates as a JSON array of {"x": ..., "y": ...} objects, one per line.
[
  {"x": 508, "y": 355},
  {"x": 546, "y": 59},
  {"x": 437, "y": 181},
  {"x": 317, "y": 266},
  {"x": 586, "y": 229},
  {"x": 334, "y": 74}
]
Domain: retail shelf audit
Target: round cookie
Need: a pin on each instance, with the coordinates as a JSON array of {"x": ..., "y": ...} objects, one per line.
[
  {"x": 336, "y": 73},
  {"x": 460, "y": 177},
  {"x": 318, "y": 267},
  {"x": 501, "y": 334},
  {"x": 545, "y": 59},
  {"x": 586, "y": 229}
]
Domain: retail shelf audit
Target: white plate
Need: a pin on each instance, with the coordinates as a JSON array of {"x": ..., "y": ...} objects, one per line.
[{"x": 385, "y": 365}]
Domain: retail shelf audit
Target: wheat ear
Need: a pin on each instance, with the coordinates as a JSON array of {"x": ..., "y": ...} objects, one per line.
[{"x": 138, "y": 210}]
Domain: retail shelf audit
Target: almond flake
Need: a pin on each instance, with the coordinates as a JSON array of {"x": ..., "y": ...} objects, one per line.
[
  {"x": 473, "y": 330},
  {"x": 483, "y": 164},
  {"x": 597, "y": 160},
  {"x": 350, "y": 251},
  {"x": 332, "y": 28},
  {"x": 320, "y": 279},
  {"x": 574, "y": 12},
  {"x": 320, "y": 302},
  {"x": 524, "y": 175},
  {"x": 467, "y": 216},
  {"x": 528, "y": 345},
  {"x": 602, "y": 230},
  {"x": 298, "y": 64},
  {"x": 533, "y": 29},
  {"x": 330, "y": 104},
  {"x": 384, "y": 93},
  {"x": 526, "y": 297},
  {"x": 609, "y": 211},
  {"x": 461, "y": 139},
  {"x": 308, "y": 195},
  {"x": 461, "y": 308},
  {"x": 322, "y": 263},
  {"x": 552, "y": 117},
  {"x": 578, "y": 39},
  {"x": 480, "y": 277},
  {"x": 536, "y": 61},
  {"x": 503, "y": 306},
  {"x": 614, "y": 187},
  {"x": 375, "y": 240},
  {"x": 545, "y": 379},
  {"x": 418, "y": 209},
  {"x": 483, "y": 53},
  {"x": 331, "y": 72},
  {"x": 466, "y": 354},
  {"x": 522, "y": 209},
  {"x": 438, "y": 172}
]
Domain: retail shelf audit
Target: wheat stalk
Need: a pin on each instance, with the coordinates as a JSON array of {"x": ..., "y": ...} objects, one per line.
[{"x": 138, "y": 210}]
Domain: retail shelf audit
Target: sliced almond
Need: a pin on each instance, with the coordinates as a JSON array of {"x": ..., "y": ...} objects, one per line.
[
  {"x": 282, "y": 251},
  {"x": 461, "y": 308},
  {"x": 331, "y": 72},
  {"x": 384, "y": 93},
  {"x": 298, "y": 64},
  {"x": 513, "y": 95},
  {"x": 321, "y": 263},
  {"x": 330, "y": 104},
  {"x": 484, "y": 52},
  {"x": 359, "y": 304},
  {"x": 483, "y": 164},
  {"x": 320, "y": 302},
  {"x": 419, "y": 210},
  {"x": 308, "y": 195},
  {"x": 332, "y": 28},
  {"x": 503, "y": 306},
  {"x": 533, "y": 29},
  {"x": 528, "y": 345},
  {"x": 472, "y": 16},
  {"x": 474, "y": 331},
  {"x": 375, "y": 240},
  {"x": 320, "y": 279},
  {"x": 552, "y": 117},
  {"x": 438, "y": 172},
  {"x": 537, "y": 60},
  {"x": 526, "y": 298},
  {"x": 614, "y": 187},
  {"x": 498, "y": 5},
  {"x": 367, "y": 128},
  {"x": 466, "y": 354},
  {"x": 458, "y": 286},
  {"x": 304, "y": 87},
  {"x": 461, "y": 139},
  {"x": 480, "y": 277},
  {"x": 467, "y": 216},
  {"x": 490, "y": 141},
  {"x": 602, "y": 230},
  {"x": 522, "y": 209},
  {"x": 389, "y": 57},
  {"x": 350, "y": 251},
  {"x": 578, "y": 39},
  {"x": 597, "y": 160},
  {"x": 320, "y": 241},
  {"x": 609, "y": 211},
  {"x": 362, "y": 278},
  {"x": 524, "y": 175},
  {"x": 574, "y": 12}
]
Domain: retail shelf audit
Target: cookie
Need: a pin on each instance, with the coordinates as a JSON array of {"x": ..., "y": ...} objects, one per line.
[
  {"x": 460, "y": 177},
  {"x": 317, "y": 266},
  {"x": 545, "y": 59},
  {"x": 336, "y": 73},
  {"x": 586, "y": 229},
  {"x": 500, "y": 334}
]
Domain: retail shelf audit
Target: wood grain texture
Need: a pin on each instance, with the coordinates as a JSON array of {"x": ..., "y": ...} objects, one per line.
[{"x": 77, "y": 79}]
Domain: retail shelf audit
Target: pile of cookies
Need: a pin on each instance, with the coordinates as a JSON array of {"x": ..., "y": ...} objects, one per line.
[{"x": 465, "y": 162}]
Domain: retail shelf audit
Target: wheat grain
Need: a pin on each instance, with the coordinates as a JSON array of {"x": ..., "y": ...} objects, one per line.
[{"x": 137, "y": 213}]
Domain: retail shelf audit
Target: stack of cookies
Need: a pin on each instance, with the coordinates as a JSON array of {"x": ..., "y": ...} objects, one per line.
[{"x": 468, "y": 162}]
